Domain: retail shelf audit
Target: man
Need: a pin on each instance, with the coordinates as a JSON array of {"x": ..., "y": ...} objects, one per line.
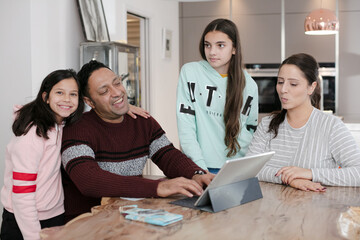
[{"x": 104, "y": 153}]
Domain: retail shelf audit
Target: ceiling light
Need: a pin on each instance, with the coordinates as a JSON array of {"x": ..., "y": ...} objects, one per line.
[{"x": 321, "y": 22}]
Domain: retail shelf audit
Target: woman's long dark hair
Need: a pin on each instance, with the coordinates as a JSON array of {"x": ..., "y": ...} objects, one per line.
[
  {"x": 310, "y": 68},
  {"x": 38, "y": 113},
  {"x": 235, "y": 83}
]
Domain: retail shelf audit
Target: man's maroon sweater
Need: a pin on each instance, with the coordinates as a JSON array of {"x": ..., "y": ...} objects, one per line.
[{"x": 102, "y": 159}]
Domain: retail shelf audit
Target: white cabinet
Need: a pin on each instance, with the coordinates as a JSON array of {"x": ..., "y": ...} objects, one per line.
[{"x": 259, "y": 24}]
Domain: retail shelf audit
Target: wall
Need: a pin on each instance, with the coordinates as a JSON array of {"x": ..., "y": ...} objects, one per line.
[
  {"x": 259, "y": 23},
  {"x": 55, "y": 36},
  {"x": 15, "y": 65}
]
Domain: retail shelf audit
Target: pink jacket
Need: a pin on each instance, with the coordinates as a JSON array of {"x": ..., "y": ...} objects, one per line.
[{"x": 32, "y": 181}]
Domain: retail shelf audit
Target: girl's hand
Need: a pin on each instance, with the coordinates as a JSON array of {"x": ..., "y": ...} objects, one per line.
[
  {"x": 288, "y": 174},
  {"x": 138, "y": 111},
  {"x": 307, "y": 185}
]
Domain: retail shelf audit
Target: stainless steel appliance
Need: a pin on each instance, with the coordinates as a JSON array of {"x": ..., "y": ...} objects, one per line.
[
  {"x": 265, "y": 76},
  {"x": 328, "y": 73}
]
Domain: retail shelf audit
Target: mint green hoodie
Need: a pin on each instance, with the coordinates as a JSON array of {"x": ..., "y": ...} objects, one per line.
[{"x": 201, "y": 96}]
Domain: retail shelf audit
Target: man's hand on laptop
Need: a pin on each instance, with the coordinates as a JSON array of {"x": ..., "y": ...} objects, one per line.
[
  {"x": 178, "y": 185},
  {"x": 204, "y": 179}
]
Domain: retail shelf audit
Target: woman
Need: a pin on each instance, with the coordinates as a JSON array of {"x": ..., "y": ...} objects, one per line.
[
  {"x": 217, "y": 101},
  {"x": 312, "y": 148}
]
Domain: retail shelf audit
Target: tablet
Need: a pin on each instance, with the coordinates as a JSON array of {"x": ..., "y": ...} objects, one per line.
[{"x": 233, "y": 171}]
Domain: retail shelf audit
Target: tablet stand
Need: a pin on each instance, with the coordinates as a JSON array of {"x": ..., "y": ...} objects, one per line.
[
  {"x": 234, "y": 194},
  {"x": 227, "y": 196}
]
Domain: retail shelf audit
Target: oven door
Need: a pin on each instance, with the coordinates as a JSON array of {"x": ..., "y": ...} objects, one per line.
[
  {"x": 328, "y": 91},
  {"x": 268, "y": 98}
]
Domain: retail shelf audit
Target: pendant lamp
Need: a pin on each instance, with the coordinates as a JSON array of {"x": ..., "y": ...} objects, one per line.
[{"x": 321, "y": 22}]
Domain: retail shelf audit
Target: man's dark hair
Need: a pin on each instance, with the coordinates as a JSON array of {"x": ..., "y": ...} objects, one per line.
[{"x": 85, "y": 73}]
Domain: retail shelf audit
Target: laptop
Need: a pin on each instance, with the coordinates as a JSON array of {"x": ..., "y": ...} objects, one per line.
[{"x": 233, "y": 171}]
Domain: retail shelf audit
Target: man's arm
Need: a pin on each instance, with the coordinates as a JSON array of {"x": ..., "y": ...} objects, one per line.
[
  {"x": 86, "y": 170},
  {"x": 92, "y": 181},
  {"x": 162, "y": 152},
  {"x": 175, "y": 165}
]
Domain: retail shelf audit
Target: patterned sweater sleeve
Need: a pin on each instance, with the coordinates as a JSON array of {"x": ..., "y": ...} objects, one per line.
[
  {"x": 169, "y": 159},
  {"x": 258, "y": 145},
  {"x": 346, "y": 152},
  {"x": 25, "y": 157},
  {"x": 186, "y": 119}
]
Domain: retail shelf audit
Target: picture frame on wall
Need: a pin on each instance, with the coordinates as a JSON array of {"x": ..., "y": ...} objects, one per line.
[
  {"x": 166, "y": 43},
  {"x": 93, "y": 20}
]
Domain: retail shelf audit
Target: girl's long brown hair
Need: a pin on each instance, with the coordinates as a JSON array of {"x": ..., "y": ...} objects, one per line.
[
  {"x": 38, "y": 113},
  {"x": 235, "y": 83},
  {"x": 310, "y": 68}
]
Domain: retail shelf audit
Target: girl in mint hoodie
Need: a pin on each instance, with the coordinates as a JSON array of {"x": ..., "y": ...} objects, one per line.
[
  {"x": 217, "y": 101},
  {"x": 32, "y": 194}
]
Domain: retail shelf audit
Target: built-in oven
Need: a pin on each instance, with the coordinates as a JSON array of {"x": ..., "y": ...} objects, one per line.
[
  {"x": 265, "y": 76},
  {"x": 328, "y": 73}
]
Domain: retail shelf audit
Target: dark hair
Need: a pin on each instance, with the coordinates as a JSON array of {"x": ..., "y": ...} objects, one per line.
[
  {"x": 85, "y": 73},
  {"x": 310, "y": 68},
  {"x": 38, "y": 113},
  {"x": 235, "y": 83}
]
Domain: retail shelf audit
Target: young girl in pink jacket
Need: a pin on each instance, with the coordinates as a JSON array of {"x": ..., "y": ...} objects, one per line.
[{"x": 32, "y": 194}]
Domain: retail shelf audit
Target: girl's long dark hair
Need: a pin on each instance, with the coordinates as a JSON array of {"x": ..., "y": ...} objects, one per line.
[
  {"x": 310, "y": 68},
  {"x": 38, "y": 113},
  {"x": 235, "y": 83}
]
